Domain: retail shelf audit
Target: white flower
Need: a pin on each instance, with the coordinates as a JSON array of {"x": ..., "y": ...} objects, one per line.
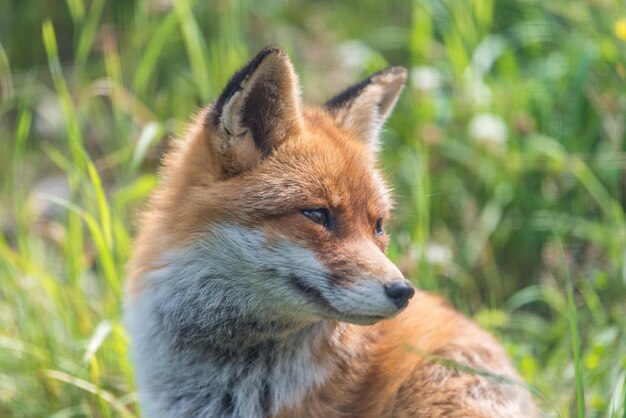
[
  {"x": 476, "y": 91},
  {"x": 488, "y": 129},
  {"x": 354, "y": 55},
  {"x": 438, "y": 255},
  {"x": 425, "y": 79},
  {"x": 479, "y": 92},
  {"x": 487, "y": 53},
  {"x": 49, "y": 121}
]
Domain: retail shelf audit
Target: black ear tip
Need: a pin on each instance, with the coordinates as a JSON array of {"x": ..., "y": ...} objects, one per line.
[
  {"x": 397, "y": 69},
  {"x": 264, "y": 53},
  {"x": 395, "y": 72},
  {"x": 271, "y": 49},
  {"x": 389, "y": 76}
]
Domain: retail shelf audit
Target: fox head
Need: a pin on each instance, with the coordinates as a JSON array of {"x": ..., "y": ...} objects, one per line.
[{"x": 275, "y": 210}]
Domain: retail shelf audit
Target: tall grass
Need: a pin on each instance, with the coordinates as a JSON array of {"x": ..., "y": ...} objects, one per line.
[{"x": 512, "y": 127}]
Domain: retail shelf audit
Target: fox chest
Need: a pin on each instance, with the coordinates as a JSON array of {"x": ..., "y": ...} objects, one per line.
[{"x": 255, "y": 382}]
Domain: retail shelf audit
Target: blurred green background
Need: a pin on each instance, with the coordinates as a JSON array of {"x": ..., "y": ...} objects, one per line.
[{"x": 506, "y": 152}]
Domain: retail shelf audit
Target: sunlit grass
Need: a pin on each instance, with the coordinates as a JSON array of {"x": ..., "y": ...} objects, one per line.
[{"x": 526, "y": 233}]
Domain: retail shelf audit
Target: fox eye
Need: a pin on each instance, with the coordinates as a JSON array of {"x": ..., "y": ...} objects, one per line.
[
  {"x": 320, "y": 216},
  {"x": 378, "y": 229}
]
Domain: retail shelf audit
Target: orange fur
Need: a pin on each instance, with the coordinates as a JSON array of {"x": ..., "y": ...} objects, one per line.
[
  {"x": 394, "y": 369},
  {"x": 397, "y": 373},
  {"x": 190, "y": 198}
]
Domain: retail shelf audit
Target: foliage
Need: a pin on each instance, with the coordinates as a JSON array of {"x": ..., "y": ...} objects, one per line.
[{"x": 506, "y": 152}]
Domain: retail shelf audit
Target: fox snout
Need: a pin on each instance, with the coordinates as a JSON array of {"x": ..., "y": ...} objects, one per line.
[
  {"x": 372, "y": 288},
  {"x": 396, "y": 287},
  {"x": 400, "y": 292}
]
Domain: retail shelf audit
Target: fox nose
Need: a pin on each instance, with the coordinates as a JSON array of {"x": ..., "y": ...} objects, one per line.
[{"x": 400, "y": 292}]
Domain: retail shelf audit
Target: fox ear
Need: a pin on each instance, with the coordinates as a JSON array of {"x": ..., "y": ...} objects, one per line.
[
  {"x": 363, "y": 108},
  {"x": 256, "y": 112}
]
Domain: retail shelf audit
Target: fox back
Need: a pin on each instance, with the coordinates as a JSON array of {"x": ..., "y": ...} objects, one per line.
[{"x": 260, "y": 287}]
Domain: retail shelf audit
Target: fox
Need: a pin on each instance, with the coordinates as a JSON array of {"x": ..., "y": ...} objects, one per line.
[{"x": 259, "y": 284}]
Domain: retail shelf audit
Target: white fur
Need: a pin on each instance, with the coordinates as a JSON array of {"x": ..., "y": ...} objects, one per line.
[
  {"x": 213, "y": 288},
  {"x": 364, "y": 298},
  {"x": 230, "y": 117}
]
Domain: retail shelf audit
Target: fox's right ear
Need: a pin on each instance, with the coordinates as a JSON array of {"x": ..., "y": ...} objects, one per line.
[{"x": 256, "y": 112}]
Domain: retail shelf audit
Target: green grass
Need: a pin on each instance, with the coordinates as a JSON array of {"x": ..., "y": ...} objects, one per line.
[{"x": 527, "y": 235}]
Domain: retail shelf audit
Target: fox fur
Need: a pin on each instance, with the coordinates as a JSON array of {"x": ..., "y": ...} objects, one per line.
[{"x": 259, "y": 285}]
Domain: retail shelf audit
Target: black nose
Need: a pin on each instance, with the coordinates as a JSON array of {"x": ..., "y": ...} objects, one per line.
[{"x": 400, "y": 292}]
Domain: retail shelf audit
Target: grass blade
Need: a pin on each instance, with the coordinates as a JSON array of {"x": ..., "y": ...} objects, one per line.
[
  {"x": 108, "y": 397},
  {"x": 574, "y": 333},
  {"x": 195, "y": 46}
]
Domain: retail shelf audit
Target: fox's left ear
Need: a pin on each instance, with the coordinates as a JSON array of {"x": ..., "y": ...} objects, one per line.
[
  {"x": 256, "y": 112},
  {"x": 363, "y": 108}
]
